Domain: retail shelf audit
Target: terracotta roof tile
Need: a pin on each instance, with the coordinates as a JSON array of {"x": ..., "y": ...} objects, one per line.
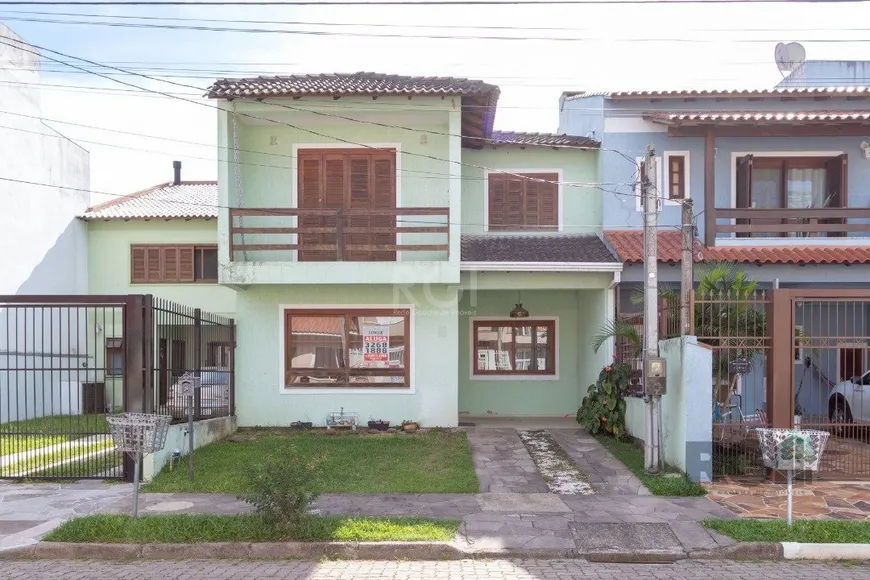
[
  {"x": 677, "y": 117},
  {"x": 189, "y": 199},
  {"x": 791, "y": 254},
  {"x": 535, "y": 248},
  {"x": 737, "y": 93},
  {"x": 360, "y": 83},
  {"x": 541, "y": 139},
  {"x": 628, "y": 245}
]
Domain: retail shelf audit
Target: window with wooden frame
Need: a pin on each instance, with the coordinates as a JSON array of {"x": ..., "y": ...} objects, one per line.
[
  {"x": 164, "y": 263},
  {"x": 218, "y": 354},
  {"x": 354, "y": 348},
  {"x": 790, "y": 183},
  {"x": 677, "y": 176},
  {"x": 114, "y": 357},
  {"x": 527, "y": 201},
  {"x": 514, "y": 347}
]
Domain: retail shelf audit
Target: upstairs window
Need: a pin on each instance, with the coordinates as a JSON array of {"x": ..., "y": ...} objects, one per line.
[
  {"x": 159, "y": 264},
  {"x": 790, "y": 183},
  {"x": 677, "y": 175},
  {"x": 527, "y": 201}
]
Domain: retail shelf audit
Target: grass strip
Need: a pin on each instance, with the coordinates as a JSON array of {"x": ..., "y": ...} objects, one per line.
[
  {"x": 30, "y": 434},
  {"x": 433, "y": 462},
  {"x": 671, "y": 483},
  {"x": 193, "y": 528},
  {"x": 49, "y": 460},
  {"x": 805, "y": 531}
]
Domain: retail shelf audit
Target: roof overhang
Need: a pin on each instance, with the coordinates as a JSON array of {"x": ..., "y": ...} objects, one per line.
[
  {"x": 758, "y": 118},
  {"x": 541, "y": 267}
]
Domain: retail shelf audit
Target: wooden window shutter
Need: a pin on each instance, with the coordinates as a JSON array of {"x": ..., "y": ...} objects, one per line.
[
  {"x": 548, "y": 201},
  {"x": 676, "y": 177},
  {"x": 513, "y": 204},
  {"x": 138, "y": 271},
  {"x": 309, "y": 180},
  {"x": 153, "y": 271},
  {"x": 531, "y": 200},
  {"x": 169, "y": 257},
  {"x": 497, "y": 198},
  {"x": 836, "y": 192},
  {"x": 743, "y": 185},
  {"x": 383, "y": 191},
  {"x": 334, "y": 177},
  {"x": 186, "y": 255}
]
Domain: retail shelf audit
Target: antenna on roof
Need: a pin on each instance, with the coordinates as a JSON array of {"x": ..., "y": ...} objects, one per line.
[{"x": 789, "y": 56}]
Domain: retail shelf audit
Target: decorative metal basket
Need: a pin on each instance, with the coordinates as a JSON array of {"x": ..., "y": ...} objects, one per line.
[
  {"x": 342, "y": 419},
  {"x": 139, "y": 432},
  {"x": 792, "y": 450}
]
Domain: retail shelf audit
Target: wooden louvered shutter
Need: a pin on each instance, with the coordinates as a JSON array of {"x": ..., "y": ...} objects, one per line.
[
  {"x": 513, "y": 203},
  {"x": 138, "y": 271},
  {"x": 153, "y": 272},
  {"x": 359, "y": 198},
  {"x": 836, "y": 192},
  {"x": 309, "y": 188},
  {"x": 497, "y": 196},
  {"x": 548, "y": 201},
  {"x": 169, "y": 258},
  {"x": 186, "y": 256},
  {"x": 334, "y": 196},
  {"x": 384, "y": 198}
]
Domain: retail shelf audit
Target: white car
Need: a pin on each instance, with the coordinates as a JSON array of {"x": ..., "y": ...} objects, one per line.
[
  {"x": 850, "y": 401},
  {"x": 214, "y": 395}
]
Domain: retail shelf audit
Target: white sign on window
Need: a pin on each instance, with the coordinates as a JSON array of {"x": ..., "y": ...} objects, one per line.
[{"x": 376, "y": 343}]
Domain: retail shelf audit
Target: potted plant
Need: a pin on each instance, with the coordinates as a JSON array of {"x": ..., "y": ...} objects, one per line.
[
  {"x": 301, "y": 425},
  {"x": 379, "y": 425},
  {"x": 410, "y": 426}
]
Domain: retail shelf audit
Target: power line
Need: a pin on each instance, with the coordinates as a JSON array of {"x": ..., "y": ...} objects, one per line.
[
  {"x": 412, "y": 26},
  {"x": 277, "y": 213},
  {"x": 26, "y": 47},
  {"x": 227, "y": 29}
]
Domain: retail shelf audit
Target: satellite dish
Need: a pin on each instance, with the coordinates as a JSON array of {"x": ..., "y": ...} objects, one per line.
[{"x": 789, "y": 56}]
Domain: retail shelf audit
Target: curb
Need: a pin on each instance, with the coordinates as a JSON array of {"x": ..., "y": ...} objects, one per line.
[{"x": 756, "y": 551}]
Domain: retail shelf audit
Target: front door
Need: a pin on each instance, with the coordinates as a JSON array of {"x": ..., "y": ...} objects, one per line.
[{"x": 362, "y": 181}]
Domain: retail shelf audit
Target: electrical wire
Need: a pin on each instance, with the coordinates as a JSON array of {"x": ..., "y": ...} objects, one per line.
[
  {"x": 277, "y": 213},
  {"x": 326, "y": 33},
  {"x": 21, "y": 45}
]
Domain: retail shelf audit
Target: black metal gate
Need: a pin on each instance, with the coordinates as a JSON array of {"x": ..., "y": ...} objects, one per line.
[{"x": 63, "y": 361}]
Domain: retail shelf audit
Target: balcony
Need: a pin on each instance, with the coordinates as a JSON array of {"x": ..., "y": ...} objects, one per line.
[
  {"x": 793, "y": 223},
  {"x": 358, "y": 245}
]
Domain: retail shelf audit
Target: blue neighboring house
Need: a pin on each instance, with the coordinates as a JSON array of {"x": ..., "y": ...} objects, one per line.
[{"x": 780, "y": 182}]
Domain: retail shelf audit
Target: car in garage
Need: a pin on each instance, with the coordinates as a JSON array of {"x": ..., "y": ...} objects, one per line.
[{"x": 849, "y": 401}]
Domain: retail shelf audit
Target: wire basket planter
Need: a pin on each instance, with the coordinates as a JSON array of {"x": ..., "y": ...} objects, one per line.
[
  {"x": 792, "y": 450},
  {"x": 137, "y": 434}
]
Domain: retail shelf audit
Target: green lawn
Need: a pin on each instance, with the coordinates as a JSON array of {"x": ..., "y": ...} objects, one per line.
[
  {"x": 57, "y": 456},
  {"x": 31, "y": 434},
  {"x": 632, "y": 456},
  {"x": 433, "y": 462},
  {"x": 806, "y": 531},
  {"x": 189, "y": 528}
]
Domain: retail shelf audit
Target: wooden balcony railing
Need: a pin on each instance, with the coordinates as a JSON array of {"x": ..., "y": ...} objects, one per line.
[
  {"x": 805, "y": 223},
  {"x": 340, "y": 234}
]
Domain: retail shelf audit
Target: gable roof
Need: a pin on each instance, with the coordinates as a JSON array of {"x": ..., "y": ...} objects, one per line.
[
  {"x": 478, "y": 97},
  {"x": 555, "y": 140},
  {"x": 186, "y": 200}
]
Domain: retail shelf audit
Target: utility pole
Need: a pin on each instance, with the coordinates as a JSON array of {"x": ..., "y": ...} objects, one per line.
[
  {"x": 650, "y": 304},
  {"x": 687, "y": 263}
]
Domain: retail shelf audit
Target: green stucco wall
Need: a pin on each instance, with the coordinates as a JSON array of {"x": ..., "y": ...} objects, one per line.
[
  {"x": 261, "y": 400},
  {"x": 580, "y": 205},
  {"x": 578, "y": 313},
  {"x": 109, "y": 261}
]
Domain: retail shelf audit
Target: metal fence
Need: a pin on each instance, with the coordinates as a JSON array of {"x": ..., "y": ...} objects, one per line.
[{"x": 68, "y": 361}]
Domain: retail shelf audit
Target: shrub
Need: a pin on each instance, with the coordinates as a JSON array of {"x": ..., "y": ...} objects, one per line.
[
  {"x": 282, "y": 487},
  {"x": 603, "y": 407}
]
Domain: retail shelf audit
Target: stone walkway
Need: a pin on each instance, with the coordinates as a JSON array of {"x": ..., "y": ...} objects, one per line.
[
  {"x": 812, "y": 501},
  {"x": 606, "y": 472},
  {"x": 503, "y": 463}
]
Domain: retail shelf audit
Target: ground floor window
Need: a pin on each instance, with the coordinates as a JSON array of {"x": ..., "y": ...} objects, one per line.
[
  {"x": 347, "y": 348},
  {"x": 514, "y": 347}
]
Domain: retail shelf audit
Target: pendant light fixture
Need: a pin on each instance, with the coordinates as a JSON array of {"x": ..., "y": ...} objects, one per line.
[{"x": 519, "y": 311}]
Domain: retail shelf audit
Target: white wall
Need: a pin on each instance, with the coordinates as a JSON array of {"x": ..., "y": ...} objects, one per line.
[{"x": 43, "y": 246}]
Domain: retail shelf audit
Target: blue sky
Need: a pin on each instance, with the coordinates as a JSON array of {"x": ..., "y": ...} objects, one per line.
[{"x": 531, "y": 73}]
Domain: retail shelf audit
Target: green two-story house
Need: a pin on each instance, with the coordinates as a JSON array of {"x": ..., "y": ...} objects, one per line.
[{"x": 393, "y": 256}]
